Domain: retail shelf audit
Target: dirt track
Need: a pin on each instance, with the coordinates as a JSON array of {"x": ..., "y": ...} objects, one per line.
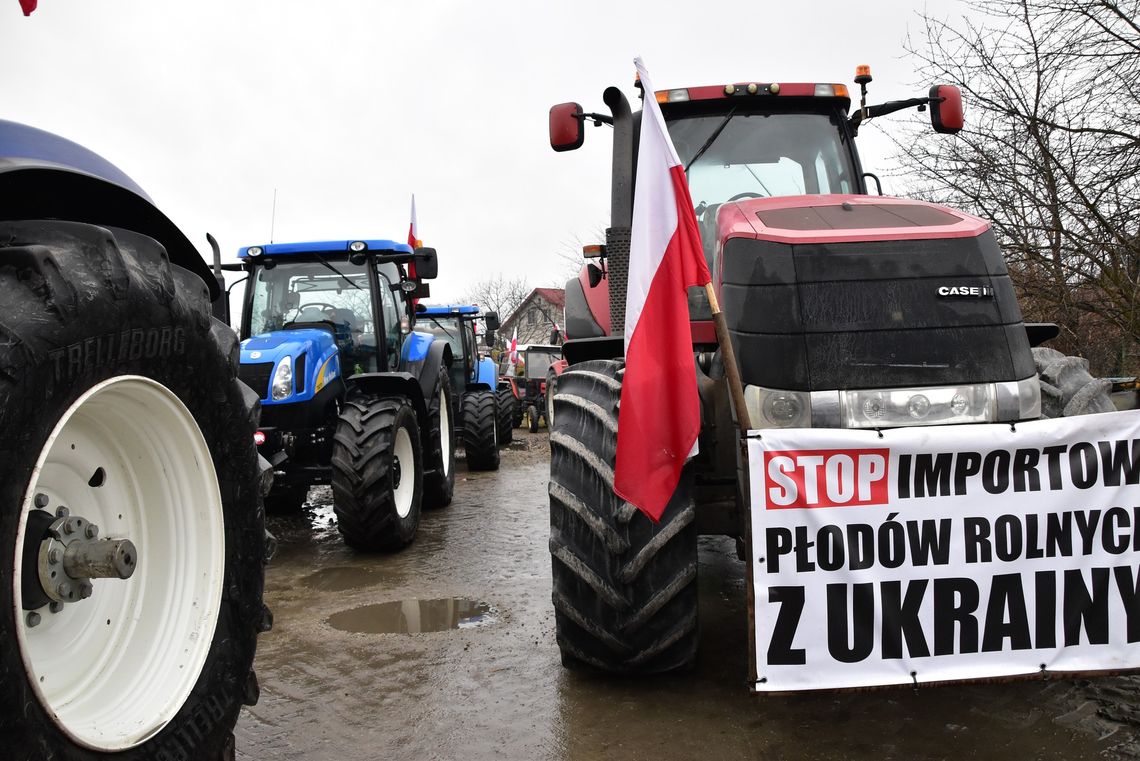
[{"x": 496, "y": 690}]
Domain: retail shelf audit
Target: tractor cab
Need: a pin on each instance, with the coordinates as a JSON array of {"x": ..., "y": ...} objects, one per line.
[
  {"x": 316, "y": 313},
  {"x": 458, "y": 326}
]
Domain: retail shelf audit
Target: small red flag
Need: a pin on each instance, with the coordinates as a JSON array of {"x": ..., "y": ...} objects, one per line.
[
  {"x": 28, "y": 6},
  {"x": 660, "y": 413}
]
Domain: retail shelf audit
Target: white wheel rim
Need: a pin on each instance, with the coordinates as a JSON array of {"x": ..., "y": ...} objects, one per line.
[
  {"x": 445, "y": 431},
  {"x": 550, "y": 406},
  {"x": 111, "y": 686},
  {"x": 403, "y": 452}
]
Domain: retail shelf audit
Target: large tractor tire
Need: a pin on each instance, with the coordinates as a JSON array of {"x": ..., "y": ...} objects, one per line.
[
  {"x": 517, "y": 412},
  {"x": 625, "y": 589},
  {"x": 122, "y": 418},
  {"x": 480, "y": 441},
  {"x": 439, "y": 449},
  {"x": 377, "y": 477},
  {"x": 505, "y": 415},
  {"x": 1067, "y": 388},
  {"x": 288, "y": 500}
]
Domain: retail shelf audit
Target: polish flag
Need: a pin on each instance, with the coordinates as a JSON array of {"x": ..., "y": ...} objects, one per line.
[
  {"x": 514, "y": 349},
  {"x": 28, "y": 6},
  {"x": 413, "y": 241},
  {"x": 660, "y": 414}
]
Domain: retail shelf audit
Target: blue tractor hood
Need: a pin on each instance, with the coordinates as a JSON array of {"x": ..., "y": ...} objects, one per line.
[{"x": 312, "y": 352}]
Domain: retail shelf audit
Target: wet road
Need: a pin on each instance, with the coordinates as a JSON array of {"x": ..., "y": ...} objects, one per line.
[{"x": 332, "y": 688}]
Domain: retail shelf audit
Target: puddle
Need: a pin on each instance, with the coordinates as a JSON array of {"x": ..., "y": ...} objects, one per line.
[
  {"x": 414, "y": 616},
  {"x": 341, "y": 578}
]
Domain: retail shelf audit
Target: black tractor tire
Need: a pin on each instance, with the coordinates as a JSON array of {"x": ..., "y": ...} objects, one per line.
[
  {"x": 372, "y": 512},
  {"x": 439, "y": 449},
  {"x": 480, "y": 441},
  {"x": 532, "y": 418},
  {"x": 504, "y": 415},
  {"x": 287, "y": 500},
  {"x": 81, "y": 306},
  {"x": 548, "y": 412},
  {"x": 517, "y": 412},
  {"x": 625, "y": 589},
  {"x": 1067, "y": 388}
]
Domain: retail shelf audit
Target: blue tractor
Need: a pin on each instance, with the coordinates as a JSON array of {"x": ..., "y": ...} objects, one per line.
[
  {"x": 475, "y": 380},
  {"x": 350, "y": 395}
]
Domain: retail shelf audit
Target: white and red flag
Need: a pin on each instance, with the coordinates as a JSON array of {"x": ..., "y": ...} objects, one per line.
[
  {"x": 414, "y": 231},
  {"x": 413, "y": 240},
  {"x": 514, "y": 349},
  {"x": 660, "y": 413}
]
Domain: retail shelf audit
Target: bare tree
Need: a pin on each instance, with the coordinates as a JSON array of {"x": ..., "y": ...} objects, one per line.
[
  {"x": 1050, "y": 155},
  {"x": 498, "y": 294}
]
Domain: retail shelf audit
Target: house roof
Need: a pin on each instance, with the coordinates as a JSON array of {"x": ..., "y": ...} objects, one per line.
[{"x": 556, "y": 296}]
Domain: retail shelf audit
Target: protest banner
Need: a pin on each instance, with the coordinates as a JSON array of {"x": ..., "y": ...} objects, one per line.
[{"x": 930, "y": 554}]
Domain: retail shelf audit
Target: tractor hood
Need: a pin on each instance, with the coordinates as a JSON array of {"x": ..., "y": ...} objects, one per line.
[
  {"x": 312, "y": 352},
  {"x": 843, "y": 218},
  {"x": 864, "y": 292}
]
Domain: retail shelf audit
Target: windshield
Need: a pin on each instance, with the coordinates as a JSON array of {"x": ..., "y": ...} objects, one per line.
[
  {"x": 763, "y": 155},
  {"x": 757, "y": 156},
  {"x": 538, "y": 361},
  {"x": 447, "y": 328},
  {"x": 311, "y": 292}
]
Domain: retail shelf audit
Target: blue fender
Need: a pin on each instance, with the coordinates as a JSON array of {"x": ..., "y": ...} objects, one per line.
[
  {"x": 486, "y": 374},
  {"x": 45, "y": 176}
]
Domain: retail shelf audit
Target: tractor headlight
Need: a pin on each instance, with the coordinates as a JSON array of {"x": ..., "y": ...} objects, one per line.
[
  {"x": 895, "y": 407},
  {"x": 283, "y": 380},
  {"x": 777, "y": 408}
]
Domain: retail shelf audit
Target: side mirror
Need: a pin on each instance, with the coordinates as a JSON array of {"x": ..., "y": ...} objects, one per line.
[
  {"x": 491, "y": 320},
  {"x": 427, "y": 268},
  {"x": 946, "y": 109},
  {"x": 595, "y": 274},
  {"x": 567, "y": 128},
  {"x": 489, "y": 337}
]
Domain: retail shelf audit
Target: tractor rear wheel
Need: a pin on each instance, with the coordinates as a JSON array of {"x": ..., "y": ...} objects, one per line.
[
  {"x": 1067, "y": 388},
  {"x": 286, "y": 501},
  {"x": 439, "y": 450},
  {"x": 377, "y": 477},
  {"x": 505, "y": 415},
  {"x": 123, "y": 427},
  {"x": 625, "y": 589},
  {"x": 480, "y": 441}
]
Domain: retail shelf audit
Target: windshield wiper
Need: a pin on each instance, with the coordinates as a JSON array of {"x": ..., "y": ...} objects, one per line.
[
  {"x": 715, "y": 134},
  {"x": 321, "y": 259},
  {"x": 438, "y": 325}
]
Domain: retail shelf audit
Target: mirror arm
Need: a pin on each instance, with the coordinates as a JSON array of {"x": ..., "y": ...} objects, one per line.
[{"x": 597, "y": 119}]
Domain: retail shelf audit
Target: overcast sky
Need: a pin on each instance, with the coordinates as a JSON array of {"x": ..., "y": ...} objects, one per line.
[{"x": 347, "y": 107}]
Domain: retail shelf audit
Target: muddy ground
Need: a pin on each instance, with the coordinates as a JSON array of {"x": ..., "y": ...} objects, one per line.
[{"x": 331, "y": 690}]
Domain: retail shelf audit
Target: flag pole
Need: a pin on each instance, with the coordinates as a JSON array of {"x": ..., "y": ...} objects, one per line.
[{"x": 731, "y": 369}]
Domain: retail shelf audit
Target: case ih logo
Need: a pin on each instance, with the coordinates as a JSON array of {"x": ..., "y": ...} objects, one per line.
[
  {"x": 825, "y": 478},
  {"x": 966, "y": 291}
]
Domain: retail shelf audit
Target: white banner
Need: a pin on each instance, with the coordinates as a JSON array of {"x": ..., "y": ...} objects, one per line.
[{"x": 944, "y": 553}]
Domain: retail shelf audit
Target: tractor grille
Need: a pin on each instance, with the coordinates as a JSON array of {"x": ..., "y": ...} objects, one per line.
[
  {"x": 256, "y": 376},
  {"x": 299, "y": 374},
  {"x": 617, "y": 270}
]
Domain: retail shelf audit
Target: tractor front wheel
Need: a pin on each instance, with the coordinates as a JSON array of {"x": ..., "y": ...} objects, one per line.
[
  {"x": 377, "y": 477},
  {"x": 130, "y": 516},
  {"x": 480, "y": 441},
  {"x": 439, "y": 450},
  {"x": 625, "y": 589}
]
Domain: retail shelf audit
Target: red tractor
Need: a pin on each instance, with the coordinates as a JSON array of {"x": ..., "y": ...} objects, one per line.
[{"x": 841, "y": 306}]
